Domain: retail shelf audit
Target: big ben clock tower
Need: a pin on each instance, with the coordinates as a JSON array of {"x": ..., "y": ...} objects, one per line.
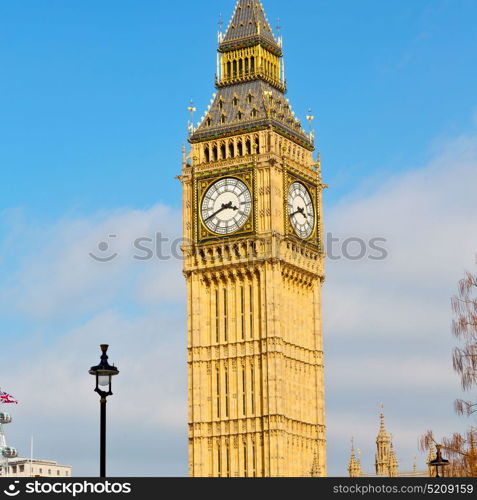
[{"x": 254, "y": 270}]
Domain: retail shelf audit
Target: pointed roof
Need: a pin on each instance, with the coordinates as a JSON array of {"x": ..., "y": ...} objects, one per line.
[
  {"x": 382, "y": 435},
  {"x": 249, "y": 23},
  {"x": 260, "y": 104},
  {"x": 354, "y": 465}
]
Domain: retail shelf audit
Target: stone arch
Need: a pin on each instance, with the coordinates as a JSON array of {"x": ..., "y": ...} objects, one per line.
[{"x": 248, "y": 146}]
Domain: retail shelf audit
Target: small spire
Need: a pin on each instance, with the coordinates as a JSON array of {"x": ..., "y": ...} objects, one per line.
[
  {"x": 221, "y": 24},
  {"x": 382, "y": 428},
  {"x": 192, "y": 109},
  {"x": 310, "y": 119},
  {"x": 354, "y": 465}
]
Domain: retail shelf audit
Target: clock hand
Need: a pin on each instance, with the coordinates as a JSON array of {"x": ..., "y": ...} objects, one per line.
[
  {"x": 299, "y": 211},
  {"x": 225, "y": 206}
]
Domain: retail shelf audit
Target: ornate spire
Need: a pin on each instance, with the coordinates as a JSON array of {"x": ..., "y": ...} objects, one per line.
[
  {"x": 250, "y": 83},
  {"x": 383, "y": 436},
  {"x": 354, "y": 466},
  {"x": 249, "y": 24},
  {"x": 393, "y": 462},
  {"x": 383, "y": 448}
]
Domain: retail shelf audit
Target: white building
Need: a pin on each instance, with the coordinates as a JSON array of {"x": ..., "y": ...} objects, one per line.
[{"x": 24, "y": 467}]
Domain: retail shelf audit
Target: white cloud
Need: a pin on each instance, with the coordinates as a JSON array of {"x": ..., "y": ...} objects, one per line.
[{"x": 58, "y": 276}]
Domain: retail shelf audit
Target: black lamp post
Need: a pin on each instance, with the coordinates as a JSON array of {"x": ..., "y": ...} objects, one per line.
[
  {"x": 103, "y": 373},
  {"x": 439, "y": 461}
]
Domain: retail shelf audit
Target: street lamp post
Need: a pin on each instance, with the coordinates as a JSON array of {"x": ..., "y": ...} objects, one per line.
[
  {"x": 439, "y": 461},
  {"x": 103, "y": 373}
]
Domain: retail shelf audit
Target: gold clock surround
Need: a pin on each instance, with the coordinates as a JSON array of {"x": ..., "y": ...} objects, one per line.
[
  {"x": 203, "y": 184},
  {"x": 289, "y": 179}
]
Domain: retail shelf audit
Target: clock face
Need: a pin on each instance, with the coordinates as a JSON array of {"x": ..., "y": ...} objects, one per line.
[
  {"x": 226, "y": 206},
  {"x": 301, "y": 210}
]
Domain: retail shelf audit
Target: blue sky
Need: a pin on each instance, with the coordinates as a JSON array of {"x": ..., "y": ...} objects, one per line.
[{"x": 93, "y": 99}]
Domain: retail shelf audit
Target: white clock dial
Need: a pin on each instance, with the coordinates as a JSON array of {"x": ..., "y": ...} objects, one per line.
[
  {"x": 301, "y": 210},
  {"x": 226, "y": 206}
]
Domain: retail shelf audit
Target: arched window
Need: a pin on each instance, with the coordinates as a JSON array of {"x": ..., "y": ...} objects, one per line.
[
  {"x": 225, "y": 311},
  {"x": 235, "y": 101},
  {"x": 252, "y": 64},
  {"x": 254, "y": 112},
  {"x": 223, "y": 152},
  {"x": 227, "y": 460},
  {"x": 254, "y": 462},
  {"x": 226, "y": 393},
  {"x": 208, "y": 121},
  {"x": 257, "y": 145},
  {"x": 214, "y": 153},
  {"x": 248, "y": 147},
  {"x": 239, "y": 115},
  {"x": 235, "y": 69},
  {"x": 252, "y": 389},
  {"x": 219, "y": 461},
  {"x": 217, "y": 317},
  {"x": 246, "y": 66},
  {"x": 242, "y": 311},
  {"x": 240, "y": 67},
  {"x": 244, "y": 392},
  {"x": 229, "y": 70},
  {"x": 240, "y": 148},
  {"x": 207, "y": 154},
  {"x": 231, "y": 150},
  {"x": 223, "y": 118},
  {"x": 217, "y": 394}
]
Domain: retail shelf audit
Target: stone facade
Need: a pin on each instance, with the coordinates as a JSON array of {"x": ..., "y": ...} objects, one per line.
[{"x": 255, "y": 347}]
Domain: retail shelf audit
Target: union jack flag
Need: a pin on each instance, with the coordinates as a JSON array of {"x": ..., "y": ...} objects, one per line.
[{"x": 7, "y": 398}]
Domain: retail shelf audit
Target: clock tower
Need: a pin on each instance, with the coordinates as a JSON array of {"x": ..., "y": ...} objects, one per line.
[{"x": 252, "y": 215}]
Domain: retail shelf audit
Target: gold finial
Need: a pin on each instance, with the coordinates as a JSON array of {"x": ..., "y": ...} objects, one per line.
[
  {"x": 310, "y": 118},
  {"x": 192, "y": 109},
  {"x": 221, "y": 24}
]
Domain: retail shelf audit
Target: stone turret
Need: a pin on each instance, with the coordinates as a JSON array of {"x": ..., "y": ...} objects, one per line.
[{"x": 354, "y": 466}]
